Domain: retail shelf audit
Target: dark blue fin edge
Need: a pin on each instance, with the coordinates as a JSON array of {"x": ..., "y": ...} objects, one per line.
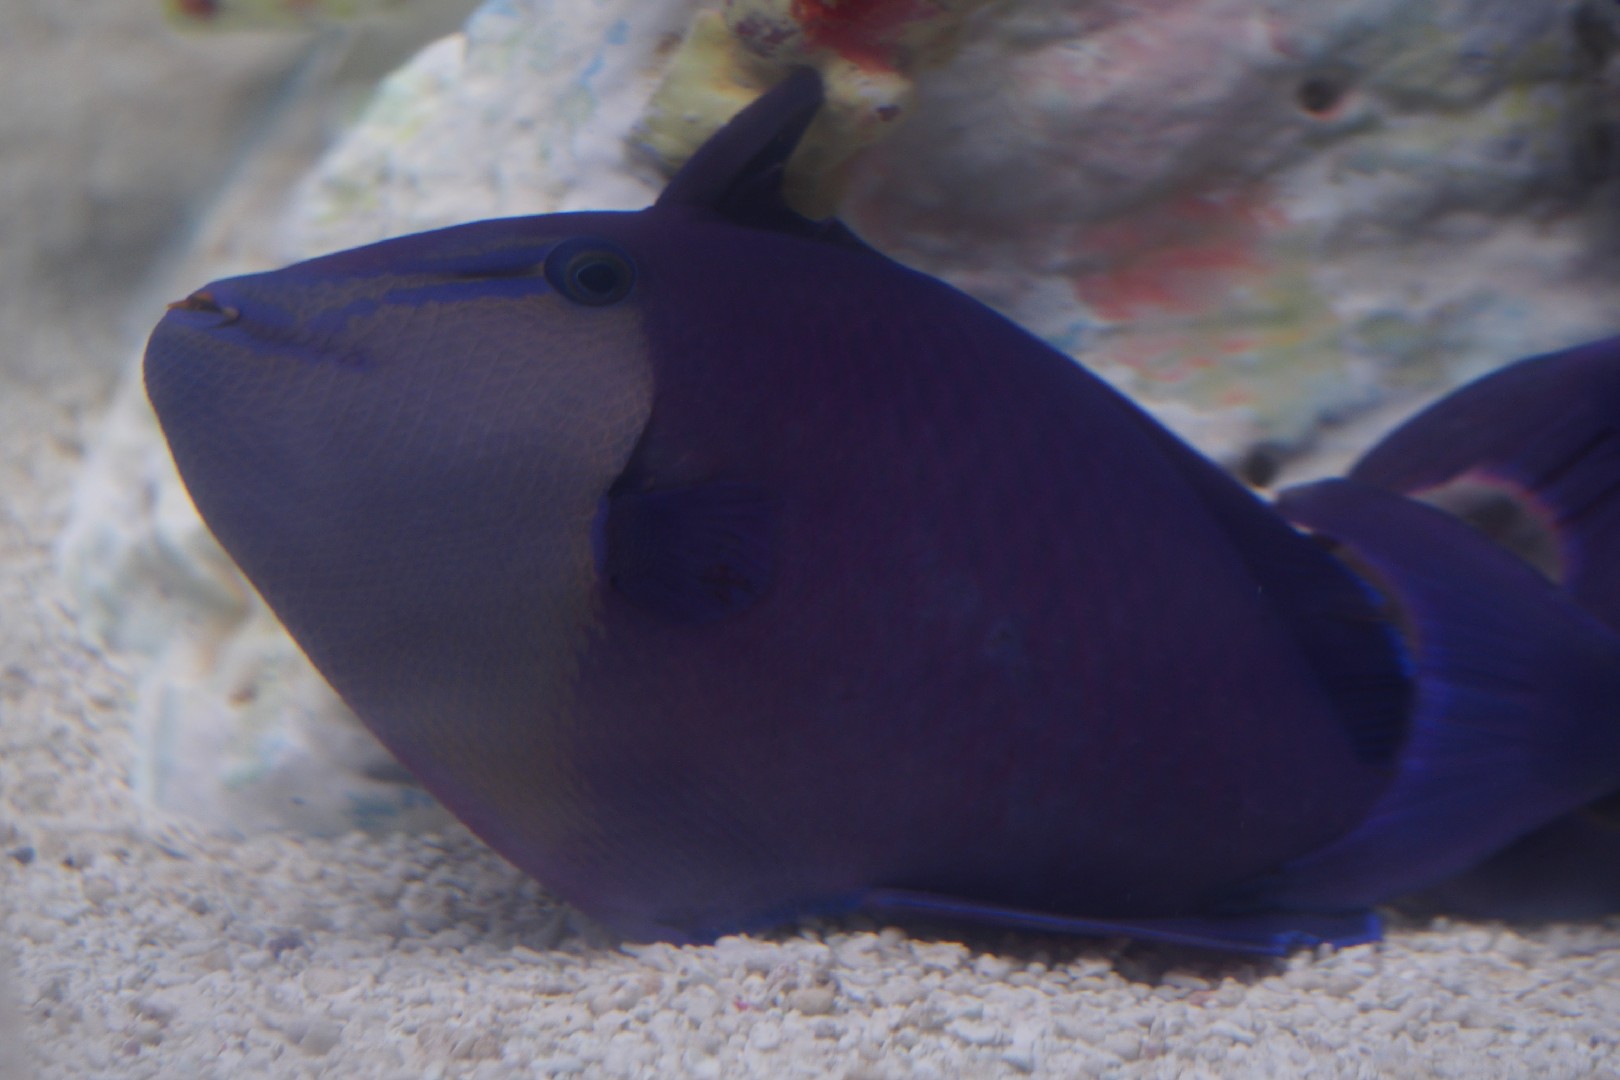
[{"x": 1259, "y": 934}]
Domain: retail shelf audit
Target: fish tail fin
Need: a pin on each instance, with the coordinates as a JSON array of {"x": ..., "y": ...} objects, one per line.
[
  {"x": 1529, "y": 454},
  {"x": 1517, "y": 713}
]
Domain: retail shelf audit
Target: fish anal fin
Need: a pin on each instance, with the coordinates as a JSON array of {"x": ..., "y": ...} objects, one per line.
[{"x": 1262, "y": 934}]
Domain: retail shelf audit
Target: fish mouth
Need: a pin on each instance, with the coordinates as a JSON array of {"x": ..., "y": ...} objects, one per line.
[
  {"x": 230, "y": 320},
  {"x": 203, "y": 303}
]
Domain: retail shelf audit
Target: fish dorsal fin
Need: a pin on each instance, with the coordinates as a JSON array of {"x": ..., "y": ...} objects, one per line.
[
  {"x": 740, "y": 167},
  {"x": 738, "y": 172}
]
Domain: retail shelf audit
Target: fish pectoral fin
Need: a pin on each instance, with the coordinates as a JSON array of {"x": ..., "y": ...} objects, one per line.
[
  {"x": 1263, "y": 933},
  {"x": 693, "y": 554},
  {"x": 1517, "y": 716}
]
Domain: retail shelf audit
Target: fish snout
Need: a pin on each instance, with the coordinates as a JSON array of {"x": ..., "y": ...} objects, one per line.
[
  {"x": 256, "y": 317},
  {"x": 204, "y": 308}
]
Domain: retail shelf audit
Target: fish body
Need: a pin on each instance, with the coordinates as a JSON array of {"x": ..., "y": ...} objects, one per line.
[{"x": 717, "y": 570}]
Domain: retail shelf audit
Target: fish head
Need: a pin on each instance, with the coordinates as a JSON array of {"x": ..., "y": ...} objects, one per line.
[
  {"x": 375, "y": 431},
  {"x": 448, "y": 409}
]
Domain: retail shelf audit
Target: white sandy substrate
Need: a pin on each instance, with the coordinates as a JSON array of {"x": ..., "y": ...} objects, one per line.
[{"x": 159, "y": 950}]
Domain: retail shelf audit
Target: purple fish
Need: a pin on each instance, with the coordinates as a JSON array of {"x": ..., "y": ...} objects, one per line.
[{"x": 718, "y": 570}]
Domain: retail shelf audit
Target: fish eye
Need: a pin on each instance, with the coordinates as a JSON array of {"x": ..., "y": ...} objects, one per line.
[{"x": 590, "y": 272}]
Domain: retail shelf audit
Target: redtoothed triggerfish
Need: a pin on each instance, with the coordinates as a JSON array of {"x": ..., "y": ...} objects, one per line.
[{"x": 718, "y": 570}]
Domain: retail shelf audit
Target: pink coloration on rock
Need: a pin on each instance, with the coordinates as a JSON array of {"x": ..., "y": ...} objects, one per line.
[
  {"x": 864, "y": 32},
  {"x": 1177, "y": 257}
]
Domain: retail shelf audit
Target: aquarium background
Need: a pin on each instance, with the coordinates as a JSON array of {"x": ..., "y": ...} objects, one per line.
[{"x": 1281, "y": 227}]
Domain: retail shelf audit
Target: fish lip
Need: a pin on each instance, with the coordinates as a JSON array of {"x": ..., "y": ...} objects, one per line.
[
  {"x": 219, "y": 333},
  {"x": 203, "y": 308}
]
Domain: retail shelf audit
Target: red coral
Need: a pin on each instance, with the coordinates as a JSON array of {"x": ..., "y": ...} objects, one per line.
[
  {"x": 201, "y": 10},
  {"x": 865, "y": 32}
]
